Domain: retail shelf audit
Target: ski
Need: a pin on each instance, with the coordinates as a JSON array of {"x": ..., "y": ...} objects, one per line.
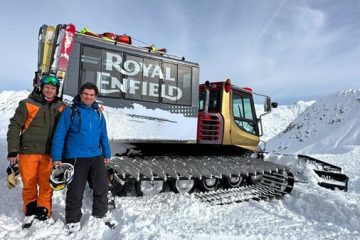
[
  {"x": 41, "y": 43},
  {"x": 60, "y": 31},
  {"x": 152, "y": 48},
  {"x": 88, "y": 32},
  {"x": 65, "y": 51},
  {"x": 48, "y": 46}
]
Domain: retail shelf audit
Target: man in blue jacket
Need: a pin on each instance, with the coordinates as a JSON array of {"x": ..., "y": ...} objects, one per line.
[{"x": 81, "y": 139}]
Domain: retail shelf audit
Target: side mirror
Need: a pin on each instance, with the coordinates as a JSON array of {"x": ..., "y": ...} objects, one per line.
[
  {"x": 267, "y": 105},
  {"x": 207, "y": 84}
]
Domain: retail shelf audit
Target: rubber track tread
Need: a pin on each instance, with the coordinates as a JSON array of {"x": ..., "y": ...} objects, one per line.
[{"x": 275, "y": 180}]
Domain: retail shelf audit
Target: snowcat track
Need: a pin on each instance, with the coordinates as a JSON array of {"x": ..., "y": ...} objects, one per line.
[
  {"x": 267, "y": 190},
  {"x": 273, "y": 180}
]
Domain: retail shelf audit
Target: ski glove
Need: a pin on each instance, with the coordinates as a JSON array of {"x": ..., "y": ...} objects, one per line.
[{"x": 12, "y": 179}]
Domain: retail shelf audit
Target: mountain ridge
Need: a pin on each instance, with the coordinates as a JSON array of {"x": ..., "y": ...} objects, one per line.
[{"x": 330, "y": 125}]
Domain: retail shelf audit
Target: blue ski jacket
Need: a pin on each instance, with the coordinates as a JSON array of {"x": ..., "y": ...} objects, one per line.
[{"x": 80, "y": 133}]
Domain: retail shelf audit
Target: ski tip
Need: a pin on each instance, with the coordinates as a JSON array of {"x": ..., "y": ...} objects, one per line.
[
  {"x": 42, "y": 29},
  {"x": 61, "y": 26},
  {"x": 71, "y": 27}
]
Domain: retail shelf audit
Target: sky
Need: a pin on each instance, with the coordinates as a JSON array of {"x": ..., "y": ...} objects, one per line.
[{"x": 289, "y": 49}]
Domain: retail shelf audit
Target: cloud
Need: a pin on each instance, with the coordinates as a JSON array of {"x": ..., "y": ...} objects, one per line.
[
  {"x": 287, "y": 49},
  {"x": 309, "y": 19}
]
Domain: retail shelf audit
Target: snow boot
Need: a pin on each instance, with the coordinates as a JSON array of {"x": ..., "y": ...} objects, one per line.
[
  {"x": 28, "y": 221},
  {"x": 108, "y": 221},
  {"x": 30, "y": 214},
  {"x": 42, "y": 214},
  {"x": 73, "y": 227}
]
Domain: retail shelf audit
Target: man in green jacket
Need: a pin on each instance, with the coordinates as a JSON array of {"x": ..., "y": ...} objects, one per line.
[{"x": 29, "y": 140}]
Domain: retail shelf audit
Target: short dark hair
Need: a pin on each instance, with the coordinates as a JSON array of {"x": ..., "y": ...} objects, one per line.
[{"x": 89, "y": 85}]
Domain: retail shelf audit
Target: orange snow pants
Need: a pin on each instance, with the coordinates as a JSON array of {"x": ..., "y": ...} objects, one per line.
[{"x": 35, "y": 170}]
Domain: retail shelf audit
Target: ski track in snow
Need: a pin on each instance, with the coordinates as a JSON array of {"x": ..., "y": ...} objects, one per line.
[{"x": 309, "y": 212}]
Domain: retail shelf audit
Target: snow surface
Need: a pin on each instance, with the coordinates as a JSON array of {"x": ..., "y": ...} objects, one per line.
[
  {"x": 309, "y": 212},
  {"x": 141, "y": 123}
]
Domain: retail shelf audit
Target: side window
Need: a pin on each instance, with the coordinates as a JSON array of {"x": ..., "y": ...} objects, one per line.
[
  {"x": 133, "y": 77},
  {"x": 109, "y": 79},
  {"x": 91, "y": 64},
  {"x": 214, "y": 101},
  {"x": 170, "y": 92},
  {"x": 184, "y": 84},
  {"x": 177, "y": 84},
  {"x": 151, "y": 77},
  {"x": 201, "y": 101},
  {"x": 244, "y": 113}
]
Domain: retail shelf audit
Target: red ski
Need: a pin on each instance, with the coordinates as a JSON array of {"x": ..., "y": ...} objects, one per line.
[{"x": 65, "y": 51}]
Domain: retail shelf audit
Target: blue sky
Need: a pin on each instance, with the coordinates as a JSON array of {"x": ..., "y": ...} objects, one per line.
[{"x": 291, "y": 50}]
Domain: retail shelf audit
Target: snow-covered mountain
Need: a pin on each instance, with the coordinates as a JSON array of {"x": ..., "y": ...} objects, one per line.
[
  {"x": 9, "y": 100},
  {"x": 331, "y": 125},
  {"x": 279, "y": 118}
]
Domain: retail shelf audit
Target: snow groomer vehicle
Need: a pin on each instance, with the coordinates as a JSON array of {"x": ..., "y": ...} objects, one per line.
[{"x": 168, "y": 131}]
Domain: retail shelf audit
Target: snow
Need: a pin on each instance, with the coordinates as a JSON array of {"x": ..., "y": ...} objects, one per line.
[
  {"x": 141, "y": 123},
  {"x": 309, "y": 212},
  {"x": 280, "y": 117},
  {"x": 331, "y": 125},
  {"x": 9, "y": 100}
]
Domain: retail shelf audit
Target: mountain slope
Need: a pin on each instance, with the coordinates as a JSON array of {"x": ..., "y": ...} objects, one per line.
[
  {"x": 9, "y": 100},
  {"x": 279, "y": 118},
  {"x": 330, "y": 125}
]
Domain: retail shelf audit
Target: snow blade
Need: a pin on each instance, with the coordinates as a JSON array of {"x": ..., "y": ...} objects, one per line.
[
  {"x": 330, "y": 175},
  {"x": 333, "y": 180}
]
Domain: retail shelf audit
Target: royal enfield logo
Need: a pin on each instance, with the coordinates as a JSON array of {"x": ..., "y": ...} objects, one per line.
[{"x": 132, "y": 85}]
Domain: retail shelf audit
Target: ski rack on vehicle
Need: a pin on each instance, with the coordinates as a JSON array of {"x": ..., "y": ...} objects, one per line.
[
  {"x": 144, "y": 49},
  {"x": 331, "y": 175}
]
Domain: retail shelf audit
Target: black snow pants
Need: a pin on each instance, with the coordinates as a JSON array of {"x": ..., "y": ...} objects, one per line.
[{"x": 94, "y": 171}]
